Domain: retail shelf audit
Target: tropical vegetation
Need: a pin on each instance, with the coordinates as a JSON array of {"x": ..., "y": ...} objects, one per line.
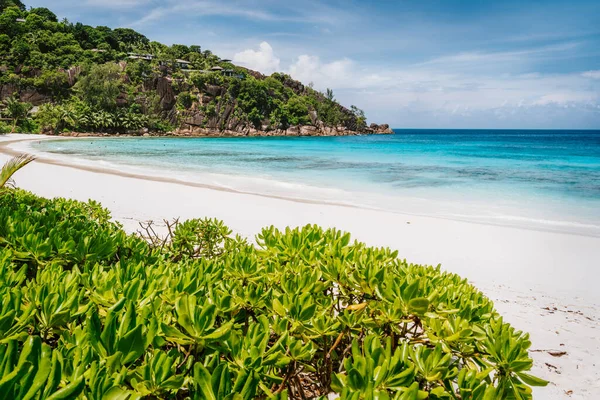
[
  {"x": 98, "y": 79},
  {"x": 88, "y": 311},
  {"x": 11, "y": 167}
]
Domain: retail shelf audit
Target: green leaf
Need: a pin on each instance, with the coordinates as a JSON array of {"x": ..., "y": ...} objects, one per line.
[
  {"x": 43, "y": 371},
  {"x": 202, "y": 379},
  {"x": 173, "y": 383},
  {"x": 308, "y": 312},
  {"x": 116, "y": 393},
  {"x": 221, "y": 381},
  {"x": 355, "y": 379},
  {"x": 337, "y": 382},
  {"x": 7, "y": 382},
  {"x": 220, "y": 332},
  {"x": 132, "y": 345},
  {"x": 249, "y": 390},
  {"x": 531, "y": 380},
  {"x": 70, "y": 391},
  {"x": 419, "y": 305},
  {"x": 55, "y": 375},
  {"x": 174, "y": 335}
]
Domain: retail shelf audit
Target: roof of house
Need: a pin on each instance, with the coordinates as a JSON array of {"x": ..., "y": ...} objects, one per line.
[
  {"x": 141, "y": 57},
  {"x": 216, "y": 68}
]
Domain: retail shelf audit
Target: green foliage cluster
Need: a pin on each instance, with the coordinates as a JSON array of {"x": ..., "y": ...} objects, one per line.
[
  {"x": 15, "y": 110},
  {"x": 39, "y": 52},
  {"x": 36, "y": 39},
  {"x": 271, "y": 102},
  {"x": 95, "y": 107},
  {"x": 36, "y": 49},
  {"x": 101, "y": 86},
  {"x": 89, "y": 312},
  {"x": 78, "y": 116}
]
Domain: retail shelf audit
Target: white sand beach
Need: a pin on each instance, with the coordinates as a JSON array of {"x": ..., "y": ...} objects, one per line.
[{"x": 542, "y": 282}]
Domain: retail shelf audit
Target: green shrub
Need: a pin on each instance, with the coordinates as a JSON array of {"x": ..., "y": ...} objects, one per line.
[
  {"x": 55, "y": 83},
  {"x": 100, "y": 86},
  {"x": 185, "y": 100},
  {"x": 4, "y": 127},
  {"x": 28, "y": 125},
  {"x": 89, "y": 312},
  {"x": 14, "y": 109}
]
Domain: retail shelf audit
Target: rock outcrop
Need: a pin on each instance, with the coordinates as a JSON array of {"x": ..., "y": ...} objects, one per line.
[
  {"x": 223, "y": 121},
  {"x": 237, "y": 129}
]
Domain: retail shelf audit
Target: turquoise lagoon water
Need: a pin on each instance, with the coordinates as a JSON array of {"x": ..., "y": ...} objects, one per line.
[{"x": 538, "y": 179}]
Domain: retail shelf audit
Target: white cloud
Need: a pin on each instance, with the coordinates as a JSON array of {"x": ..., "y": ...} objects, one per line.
[
  {"x": 338, "y": 73},
  {"x": 591, "y": 74},
  {"x": 500, "y": 56},
  {"x": 564, "y": 98},
  {"x": 154, "y": 14},
  {"x": 307, "y": 69},
  {"x": 262, "y": 60}
]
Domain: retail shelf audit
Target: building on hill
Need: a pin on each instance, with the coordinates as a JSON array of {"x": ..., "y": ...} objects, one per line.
[
  {"x": 146, "y": 57},
  {"x": 231, "y": 72},
  {"x": 224, "y": 72},
  {"x": 183, "y": 64}
]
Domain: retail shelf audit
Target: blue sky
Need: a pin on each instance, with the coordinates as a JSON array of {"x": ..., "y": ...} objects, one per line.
[{"x": 412, "y": 64}]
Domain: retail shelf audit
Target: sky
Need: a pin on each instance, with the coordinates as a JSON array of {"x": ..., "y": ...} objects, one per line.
[{"x": 411, "y": 64}]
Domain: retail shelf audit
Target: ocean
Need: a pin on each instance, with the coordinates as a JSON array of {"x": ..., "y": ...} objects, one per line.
[{"x": 538, "y": 179}]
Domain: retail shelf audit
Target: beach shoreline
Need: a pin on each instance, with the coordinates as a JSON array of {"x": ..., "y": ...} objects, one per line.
[
  {"x": 423, "y": 205},
  {"x": 542, "y": 282}
]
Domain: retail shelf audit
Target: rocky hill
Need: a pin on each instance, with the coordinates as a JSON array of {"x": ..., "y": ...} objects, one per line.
[
  {"x": 77, "y": 78},
  {"x": 225, "y": 121}
]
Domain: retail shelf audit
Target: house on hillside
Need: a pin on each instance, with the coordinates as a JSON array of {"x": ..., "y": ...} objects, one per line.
[
  {"x": 146, "y": 57},
  {"x": 183, "y": 64},
  {"x": 225, "y": 72}
]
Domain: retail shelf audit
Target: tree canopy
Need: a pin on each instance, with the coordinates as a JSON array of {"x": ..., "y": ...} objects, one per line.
[{"x": 11, "y": 3}]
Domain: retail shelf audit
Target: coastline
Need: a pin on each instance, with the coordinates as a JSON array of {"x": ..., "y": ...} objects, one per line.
[
  {"x": 522, "y": 270},
  {"x": 416, "y": 204},
  {"x": 198, "y": 132}
]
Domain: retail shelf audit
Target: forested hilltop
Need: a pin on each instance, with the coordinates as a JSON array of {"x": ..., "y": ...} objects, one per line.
[{"x": 61, "y": 77}]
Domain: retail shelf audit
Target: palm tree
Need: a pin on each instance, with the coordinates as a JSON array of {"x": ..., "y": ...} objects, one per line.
[
  {"x": 15, "y": 110},
  {"x": 12, "y": 166}
]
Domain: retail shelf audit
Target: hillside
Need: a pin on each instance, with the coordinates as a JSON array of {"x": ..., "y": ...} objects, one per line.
[{"x": 60, "y": 77}]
